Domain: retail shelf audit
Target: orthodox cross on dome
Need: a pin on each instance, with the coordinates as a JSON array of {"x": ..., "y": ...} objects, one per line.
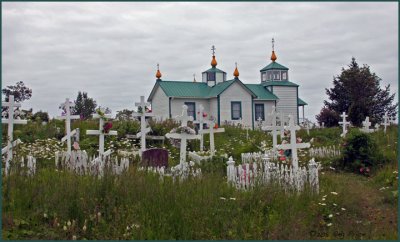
[
  {"x": 273, "y": 44},
  {"x": 158, "y": 74},
  {"x": 194, "y": 77},
  {"x": 273, "y": 56},
  {"x": 213, "y": 50}
]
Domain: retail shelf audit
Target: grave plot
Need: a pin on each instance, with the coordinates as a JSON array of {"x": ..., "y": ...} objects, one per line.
[
  {"x": 248, "y": 175},
  {"x": 10, "y": 121}
]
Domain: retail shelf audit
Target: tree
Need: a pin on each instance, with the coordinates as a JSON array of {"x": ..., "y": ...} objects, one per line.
[
  {"x": 41, "y": 116},
  {"x": 124, "y": 114},
  {"x": 329, "y": 117},
  {"x": 20, "y": 92},
  {"x": 357, "y": 92},
  {"x": 84, "y": 105}
]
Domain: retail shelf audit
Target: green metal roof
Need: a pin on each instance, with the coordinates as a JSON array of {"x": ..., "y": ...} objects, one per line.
[
  {"x": 279, "y": 83},
  {"x": 184, "y": 88},
  {"x": 214, "y": 69},
  {"x": 301, "y": 102},
  {"x": 274, "y": 66},
  {"x": 194, "y": 89},
  {"x": 219, "y": 88},
  {"x": 261, "y": 92}
]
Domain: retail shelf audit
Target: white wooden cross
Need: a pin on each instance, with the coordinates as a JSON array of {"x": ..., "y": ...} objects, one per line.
[
  {"x": 201, "y": 121},
  {"x": 211, "y": 131},
  {"x": 366, "y": 125},
  {"x": 184, "y": 118},
  {"x": 293, "y": 145},
  {"x": 282, "y": 125},
  {"x": 66, "y": 106},
  {"x": 10, "y": 121},
  {"x": 274, "y": 128},
  {"x": 143, "y": 129},
  {"x": 308, "y": 126},
  {"x": 344, "y": 123},
  {"x": 385, "y": 121},
  {"x": 323, "y": 125},
  {"x": 259, "y": 122},
  {"x": 101, "y": 133}
]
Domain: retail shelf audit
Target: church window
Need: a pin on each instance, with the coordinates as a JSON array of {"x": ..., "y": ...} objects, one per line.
[
  {"x": 264, "y": 76},
  {"x": 236, "y": 110},
  {"x": 284, "y": 75},
  {"x": 191, "y": 111},
  {"x": 276, "y": 75},
  {"x": 259, "y": 108},
  {"x": 211, "y": 76}
]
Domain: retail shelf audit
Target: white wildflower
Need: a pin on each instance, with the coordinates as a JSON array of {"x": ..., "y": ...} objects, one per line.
[
  {"x": 343, "y": 209},
  {"x": 222, "y": 198},
  {"x": 330, "y": 224},
  {"x": 232, "y": 198},
  {"x": 69, "y": 223},
  {"x": 334, "y": 193},
  {"x": 330, "y": 216}
]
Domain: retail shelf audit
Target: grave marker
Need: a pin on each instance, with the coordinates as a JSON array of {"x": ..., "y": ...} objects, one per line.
[
  {"x": 143, "y": 129},
  {"x": 10, "y": 121},
  {"x": 66, "y": 106},
  {"x": 293, "y": 145},
  {"x": 343, "y": 123},
  {"x": 201, "y": 122},
  {"x": 385, "y": 122},
  {"x": 100, "y": 133},
  {"x": 184, "y": 118},
  {"x": 211, "y": 131},
  {"x": 274, "y": 128},
  {"x": 155, "y": 157},
  {"x": 366, "y": 125}
]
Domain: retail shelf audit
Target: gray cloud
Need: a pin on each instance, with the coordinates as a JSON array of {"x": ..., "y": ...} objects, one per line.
[{"x": 110, "y": 50}]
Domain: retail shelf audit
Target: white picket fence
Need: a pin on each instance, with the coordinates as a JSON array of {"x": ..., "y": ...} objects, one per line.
[
  {"x": 322, "y": 152},
  {"x": 180, "y": 172},
  {"x": 255, "y": 156},
  {"x": 30, "y": 165},
  {"x": 80, "y": 163},
  {"x": 248, "y": 175}
]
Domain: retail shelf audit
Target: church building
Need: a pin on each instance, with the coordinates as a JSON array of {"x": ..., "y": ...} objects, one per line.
[{"x": 232, "y": 100}]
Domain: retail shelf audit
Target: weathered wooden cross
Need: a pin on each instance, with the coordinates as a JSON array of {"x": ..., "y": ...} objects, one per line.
[
  {"x": 293, "y": 145},
  {"x": 344, "y": 124},
  {"x": 184, "y": 118},
  {"x": 143, "y": 129},
  {"x": 100, "y": 132},
  {"x": 274, "y": 128},
  {"x": 66, "y": 106},
  {"x": 211, "y": 131},
  {"x": 385, "y": 121},
  {"x": 201, "y": 122},
  {"x": 10, "y": 121},
  {"x": 366, "y": 125}
]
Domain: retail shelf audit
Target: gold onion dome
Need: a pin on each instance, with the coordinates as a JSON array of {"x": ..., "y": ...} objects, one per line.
[
  {"x": 273, "y": 56},
  {"x": 158, "y": 74},
  {"x": 213, "y": 61},
  {"x": 236, "y": 72}
]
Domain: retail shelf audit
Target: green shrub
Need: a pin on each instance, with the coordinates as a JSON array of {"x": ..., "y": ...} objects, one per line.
[{"x": 360, "y": 151}]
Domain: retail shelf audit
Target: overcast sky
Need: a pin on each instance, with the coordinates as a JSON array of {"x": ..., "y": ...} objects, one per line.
[{"x": 111, "y": 50}]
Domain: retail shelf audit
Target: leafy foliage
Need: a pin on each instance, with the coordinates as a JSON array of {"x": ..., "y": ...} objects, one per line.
[
  {"x": 125, "y": 114},
  {"x": 329, "y": 117},
  {"x": 357, "y": 92},
  {"x": 19, "y": 90},
  {"x": 84, "y": 105},
  {"x": 41, "y": 116}
]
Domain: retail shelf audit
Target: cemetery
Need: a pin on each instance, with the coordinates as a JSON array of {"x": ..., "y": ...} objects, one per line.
[
  {"x": 199, "y": 121},
  {"x": 104, "y": 178}
]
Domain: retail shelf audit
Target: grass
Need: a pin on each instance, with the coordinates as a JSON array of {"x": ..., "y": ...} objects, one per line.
[{"x": 136, "y": 205}]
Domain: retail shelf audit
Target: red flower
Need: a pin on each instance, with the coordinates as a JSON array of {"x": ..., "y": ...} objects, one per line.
[
  {"x": 216, "y": 126},
  {"x": 204, "y": 115},
  {"x": 107, "y": 126}
]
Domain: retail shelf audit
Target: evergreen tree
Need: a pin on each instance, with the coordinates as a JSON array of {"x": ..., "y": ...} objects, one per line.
[
  {"x": 357, "y": 92},
  {"x": 84, "y": 105}
]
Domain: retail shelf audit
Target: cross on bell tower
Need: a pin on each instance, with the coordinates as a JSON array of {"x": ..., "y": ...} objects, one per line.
[{"x": 213, "y": 50}]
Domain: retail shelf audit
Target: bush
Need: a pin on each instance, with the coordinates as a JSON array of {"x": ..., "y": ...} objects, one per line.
[{"x": 361, "y": 152}]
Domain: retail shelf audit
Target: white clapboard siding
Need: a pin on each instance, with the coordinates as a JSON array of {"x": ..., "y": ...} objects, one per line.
[
  {"x": 160, "y": 104},
  {"x": 267, "y": 109},
  {"x": 287, "y": 100},
  {"x": 177, "y": 103},
  {"x": 233, "y": 93}
]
